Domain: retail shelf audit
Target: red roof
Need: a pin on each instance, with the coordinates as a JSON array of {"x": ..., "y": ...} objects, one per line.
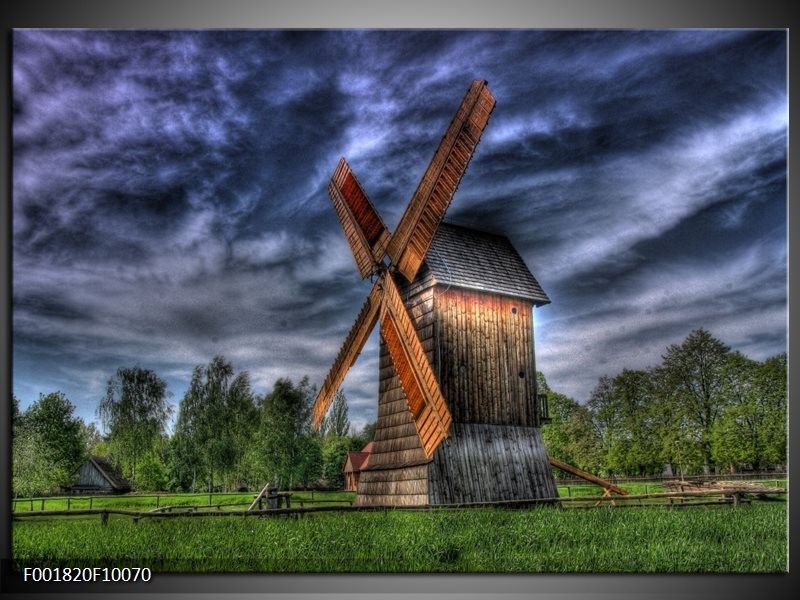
[{"x": 356, "y": 461}]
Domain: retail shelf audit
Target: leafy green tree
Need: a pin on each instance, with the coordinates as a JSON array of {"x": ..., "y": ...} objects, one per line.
[
  {"x": 334, "y": 456},
  {"x": 15, "y": 413},
  {"x": 93, "y": 442},
  {"x": 751, "y": 430},
  {"x": 32, "y": 472},
  {"x": 47, "y": 446},
  {"x": 134, "y": 411},
  {"x": 52, "y": 418},
  {"x": 153, "y": 475},
  {"x": 367, "y": 434},
  {"x": 623, "y": 407},
  {"x": 572, "y": 435},
  {"x": 556, "y": 434},
  {"x": 216, "y": 419},
  {"x": 336, "y": 422},
  {"x": 284, "y": 429},
  {"x": 772, "y": 380},
  {"x": 308, "y": 460},
  {"x": 692, "y": 380},
  {"x": 183, "y": 463}
]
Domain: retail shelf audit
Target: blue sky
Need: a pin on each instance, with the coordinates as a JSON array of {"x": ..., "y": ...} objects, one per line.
[{"x": 170, "y": 204}]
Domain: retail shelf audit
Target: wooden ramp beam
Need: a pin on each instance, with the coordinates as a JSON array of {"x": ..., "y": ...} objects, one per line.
[
  {"x": 606, "y": 485},
  {"x": 261, "y": 494}
]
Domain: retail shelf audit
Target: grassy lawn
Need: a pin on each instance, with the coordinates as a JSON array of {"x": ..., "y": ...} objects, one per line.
[
  {"x": 748, "y": 538},
  {"x": 145, "y": 502}
]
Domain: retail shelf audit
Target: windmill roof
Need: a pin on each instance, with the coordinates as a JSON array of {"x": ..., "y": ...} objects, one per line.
[{"x": 478, "y": 260}]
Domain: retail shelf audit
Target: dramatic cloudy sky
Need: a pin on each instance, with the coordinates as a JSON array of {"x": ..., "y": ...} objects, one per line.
[{"x": 170, "y": 204}]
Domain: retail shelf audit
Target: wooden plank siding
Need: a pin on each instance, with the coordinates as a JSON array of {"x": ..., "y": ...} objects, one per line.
[
  {"x": 476, "y": 346},
  {"x": 484, "y": 355},
  {"x": 397, "y": 470},
  {"x": 487, "y": 463}
]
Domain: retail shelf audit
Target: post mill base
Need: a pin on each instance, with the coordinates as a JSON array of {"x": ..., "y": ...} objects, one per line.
[{"x": 478, "y": 463}]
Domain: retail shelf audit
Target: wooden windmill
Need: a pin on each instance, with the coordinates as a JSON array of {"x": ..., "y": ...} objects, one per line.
[{"x": 458, "y": 418}]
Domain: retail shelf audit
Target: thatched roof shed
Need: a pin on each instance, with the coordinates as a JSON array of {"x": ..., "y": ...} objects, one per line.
[{"x": 98, "y": 475}]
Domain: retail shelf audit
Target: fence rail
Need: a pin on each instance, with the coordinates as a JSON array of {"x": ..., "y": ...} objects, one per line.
[
  {"x": 161, "y": 498},
  {"x": 754, "y": 476},
  {"x": 734, "y": 496}
]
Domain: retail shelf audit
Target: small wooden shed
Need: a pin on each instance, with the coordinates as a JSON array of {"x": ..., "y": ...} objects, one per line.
[
  {"x": 98, "y": 475},
  {"x": 355, "y": 462}
]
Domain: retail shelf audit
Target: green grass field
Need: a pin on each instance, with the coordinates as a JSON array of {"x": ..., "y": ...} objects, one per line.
[
  {"x": 146, "y": 502},
  {"x": 725, "y": 539}
]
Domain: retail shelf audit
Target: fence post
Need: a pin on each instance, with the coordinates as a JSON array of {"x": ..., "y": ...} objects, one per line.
[
  {"x": 90, "y": 502},
  {"x": 43, "y": 504},
  {"x": 68, "y": 502},
  {"x": 158, "y": 499}
]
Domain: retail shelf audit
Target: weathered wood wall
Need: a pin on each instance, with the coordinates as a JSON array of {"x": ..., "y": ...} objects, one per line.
[
  {"x": 484, "y": 348},
  {"x": 397, "y": 471},
  {"x": 480, "y": 345},
  {"x": 90, "y": 478},
  {"x": 486, "y": 463}
]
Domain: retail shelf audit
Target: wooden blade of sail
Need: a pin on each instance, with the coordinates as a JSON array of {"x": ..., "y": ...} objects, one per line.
[
  {"x": 425, "y": 401},
  {"x": 348, "y": 353},
  {"x": 412, "y": 238},
  {"x": 363, "y": 227}
]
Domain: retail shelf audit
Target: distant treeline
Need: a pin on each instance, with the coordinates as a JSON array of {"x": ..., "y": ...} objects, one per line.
[
  {"x": 703, "y": 407},
  {"x": 226, "y": 437}
]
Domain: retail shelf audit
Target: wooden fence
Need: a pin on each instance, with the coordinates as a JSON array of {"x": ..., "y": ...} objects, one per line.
[{"x": 675, "y": 499}]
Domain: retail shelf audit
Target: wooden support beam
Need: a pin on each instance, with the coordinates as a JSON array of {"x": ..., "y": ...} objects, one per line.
[
  {"x": 261, "y": 494},
  {"x": 606, "y": 485}
]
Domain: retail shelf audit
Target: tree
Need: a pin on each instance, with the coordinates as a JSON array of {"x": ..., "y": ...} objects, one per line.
[
  {"x": 571, "y": 435},
  {"x": 367, "y": 434},
  {"x": 15, "y": 413},
  {"x": 216, "y": 419},
  {"x": 692, "y": 378},
  {"x": 93, "y": 442},
  {"x": 47, "y": 446},
  {"x": 752, "y": 428},
  {"x": 336, "y": 422},
  {"x": 334, "y": 455},
  {"x": 52, "y": 418},
  {"x": 623, "y": 407},
  {"x": 134, "y": 411},
  {"x": 284, "y": 429},
  {"x": 772, "y": 375},
  {"x": 152, "y": 473}
]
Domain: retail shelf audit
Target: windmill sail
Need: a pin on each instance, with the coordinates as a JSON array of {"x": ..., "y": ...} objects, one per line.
[
  {"x": 412, "y": 238},
  {"x": 370, "y": 241},
  {"x": 349, "y": 352},
  {"x": 425, "y": 401},
  {"x": 363, "y": 227}
]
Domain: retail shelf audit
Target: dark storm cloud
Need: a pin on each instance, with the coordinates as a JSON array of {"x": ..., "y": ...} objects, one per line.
[{"x": 170, "y": 204}]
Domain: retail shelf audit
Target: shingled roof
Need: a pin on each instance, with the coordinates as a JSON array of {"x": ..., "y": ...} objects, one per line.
[{"x": 476, "y": 260}]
